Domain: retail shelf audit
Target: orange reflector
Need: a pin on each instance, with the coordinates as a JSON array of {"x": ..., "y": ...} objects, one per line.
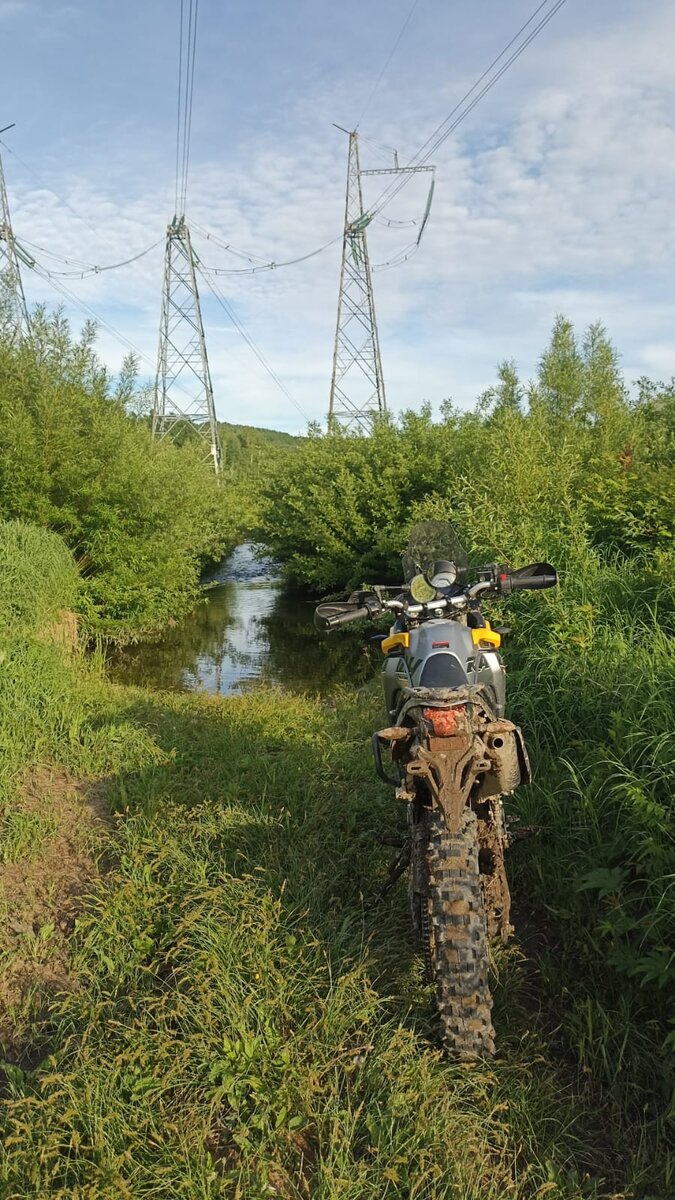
[{"x": 444, "y": 720}]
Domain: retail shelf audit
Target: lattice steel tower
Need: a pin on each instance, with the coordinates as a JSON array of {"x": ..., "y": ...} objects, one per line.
[
  {"x": 183, "y": 389},
  {"x": 357, "y": 387},
  {"x": 13, "y": 310}
]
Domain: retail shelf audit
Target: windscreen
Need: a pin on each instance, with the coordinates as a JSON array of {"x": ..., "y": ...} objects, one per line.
[{"x": 428, "y": 542}]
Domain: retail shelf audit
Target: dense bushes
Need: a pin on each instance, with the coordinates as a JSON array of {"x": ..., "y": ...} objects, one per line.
[
  {"x": 582, "y": 465},
  {"x": 140, "y": 517}
]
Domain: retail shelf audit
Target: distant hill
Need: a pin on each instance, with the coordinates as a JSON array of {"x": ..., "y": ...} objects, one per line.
[{"x": 246, "y": 445}]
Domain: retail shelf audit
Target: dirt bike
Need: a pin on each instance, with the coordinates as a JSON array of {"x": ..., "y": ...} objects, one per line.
[{"x": 452, "y": 757}]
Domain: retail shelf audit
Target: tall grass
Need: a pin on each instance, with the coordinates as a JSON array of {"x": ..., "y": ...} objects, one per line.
[
  {"x": 246, "y": 1015},
  {"x": 38, "y": 578},
  {"x": 38, "y": 581},
  {"x": 250, "y": 1017}
]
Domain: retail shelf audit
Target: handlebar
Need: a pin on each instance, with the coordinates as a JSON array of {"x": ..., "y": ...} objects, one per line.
[
  {"x": 362, "y": 606},
  {"x": 332, "y": 615}
]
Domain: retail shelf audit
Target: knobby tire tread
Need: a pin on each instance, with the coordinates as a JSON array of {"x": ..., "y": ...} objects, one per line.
[{"x": 459, "y": 946}]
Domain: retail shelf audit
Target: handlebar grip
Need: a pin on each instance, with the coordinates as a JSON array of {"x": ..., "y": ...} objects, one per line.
[
  {"x": 357, "y": 614},
  {"x": 534, "y": 578},
  {"x": 331, "y": 616}
]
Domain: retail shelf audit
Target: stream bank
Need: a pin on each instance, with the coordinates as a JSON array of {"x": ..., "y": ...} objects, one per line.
[{"x": 250, "y": 630}]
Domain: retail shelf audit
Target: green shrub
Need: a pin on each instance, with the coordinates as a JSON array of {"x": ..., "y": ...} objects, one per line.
[
  {"x": 583, "y": 466},
  {"x": 140, "y": 517},
  {"x": 38, "y": 578}
]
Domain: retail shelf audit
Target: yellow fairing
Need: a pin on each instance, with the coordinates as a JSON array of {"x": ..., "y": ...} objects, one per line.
[
  {"x": 486, "y": 637},
  {"x": 395, "y": 639}
]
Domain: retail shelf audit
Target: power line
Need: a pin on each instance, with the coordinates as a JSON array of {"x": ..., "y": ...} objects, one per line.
[
  {"x": 14, "y": 317},
  {"x": 380, "y": 148},
  {"x": 448, "y": 126},
  {"x": 431, "y": 141},
  {"x": 267, "y": 266},
  {"x": 90, "y": 312},
  {"x": 178, "y": 113},
  {"x": 87, "y": 268},
  {"x": 227, "y": 246},
  {"x": 47, "y": 187},
  {"x": 403, "y": 255},
  {"x": 71, "y": 262},
  {"x": 186, "y": 80},
  {"x": 429, "y": 147},
  {"x": 188, "y": 133},
  {"x": 182, "y": 348},
  {"x": 82, "y": 270},
  {"x": 205, "y": 272},
  {"x": 391, "y": 54},
  {"x": 69, "y": 295}
]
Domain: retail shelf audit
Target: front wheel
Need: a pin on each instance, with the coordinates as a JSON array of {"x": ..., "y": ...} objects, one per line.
[{"x": 453, "y": 925}]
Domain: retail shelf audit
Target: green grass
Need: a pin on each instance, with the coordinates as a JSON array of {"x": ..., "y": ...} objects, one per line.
[
  {"x": 38, "y": 579},
  {"x": 249, "y": 1017},
  {"x": 245, "y": 1015}
]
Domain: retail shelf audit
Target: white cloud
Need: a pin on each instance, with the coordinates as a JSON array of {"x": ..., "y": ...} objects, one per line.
[{"x": 557, "y": 195}]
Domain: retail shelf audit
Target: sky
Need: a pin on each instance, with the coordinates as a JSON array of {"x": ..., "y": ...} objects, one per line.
[{"x": 557, "y": 194}]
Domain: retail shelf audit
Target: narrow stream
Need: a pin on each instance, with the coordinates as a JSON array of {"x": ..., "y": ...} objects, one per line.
[{"x": 251, "y": 630}]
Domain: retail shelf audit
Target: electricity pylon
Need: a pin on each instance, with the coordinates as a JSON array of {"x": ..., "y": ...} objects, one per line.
[
  {"x": 357, "y": 386},
  {"x": 183, "y": 390},
  {"x": 13, "y": 310},
  {"x": 356, "y": 401}
]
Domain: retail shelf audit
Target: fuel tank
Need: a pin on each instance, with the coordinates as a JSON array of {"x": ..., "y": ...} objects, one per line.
[{"x": 442, "y": 654}]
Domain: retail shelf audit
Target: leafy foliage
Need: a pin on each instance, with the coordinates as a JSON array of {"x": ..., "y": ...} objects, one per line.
[
  {"x": 140, "y": 517},
  {"x": 583, "y": 466}
]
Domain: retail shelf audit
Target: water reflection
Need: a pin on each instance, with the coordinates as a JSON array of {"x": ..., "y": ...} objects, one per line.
[{"x": 250, "y": 630}]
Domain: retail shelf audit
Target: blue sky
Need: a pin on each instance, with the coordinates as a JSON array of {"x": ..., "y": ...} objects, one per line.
[{"x": 557, "y": 193}]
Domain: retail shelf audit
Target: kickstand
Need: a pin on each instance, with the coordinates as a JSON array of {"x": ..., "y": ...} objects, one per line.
[{"x": 398, "y": 865}]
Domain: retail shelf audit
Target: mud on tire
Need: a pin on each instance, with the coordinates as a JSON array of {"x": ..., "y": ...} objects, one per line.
[{"x": 458, "y": 941}]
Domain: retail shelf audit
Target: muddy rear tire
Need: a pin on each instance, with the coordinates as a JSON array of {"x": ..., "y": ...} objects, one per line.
[{"x": 458, "y": 947}]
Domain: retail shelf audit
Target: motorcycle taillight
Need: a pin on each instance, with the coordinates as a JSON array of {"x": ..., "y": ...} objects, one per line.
[{"x": 443, "y": 721}]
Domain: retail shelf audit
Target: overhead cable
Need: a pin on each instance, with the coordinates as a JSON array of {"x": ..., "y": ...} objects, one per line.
[
  {"x": 69, "y": 295},
  {"x": 82, "y": 270},
  {"x": 469, "y": 101},
  {"x": 269, "y": 266},
  {"x": 460, "y": 112},
  {"x": 205, "y": 273},
  {"x": 47, "y": 187},
  {"x": 398, "y": 259},
  {"x": 391, "y": 54},
  {"x": 189, "y": 11},
  {"x": 249, "y": 257}
]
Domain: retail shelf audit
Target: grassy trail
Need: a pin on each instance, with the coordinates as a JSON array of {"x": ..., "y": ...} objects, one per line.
[{"x": 245, "y": 1018}]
